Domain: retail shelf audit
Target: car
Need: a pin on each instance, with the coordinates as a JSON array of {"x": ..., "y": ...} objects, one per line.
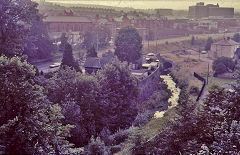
[
  {"x": 150, "y": 54},
  {"x": 203, "y": 52},
  {"x": 54, "y": 65}
]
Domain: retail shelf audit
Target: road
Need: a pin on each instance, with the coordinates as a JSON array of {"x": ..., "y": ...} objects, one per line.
[{"x": 44, "y": 66}]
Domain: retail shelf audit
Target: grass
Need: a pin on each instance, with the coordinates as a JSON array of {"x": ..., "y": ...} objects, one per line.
[
  {"x": 218, "y": 81},
  {"x": 188, "y": 38},
  {"x": 149, "y": 131}
]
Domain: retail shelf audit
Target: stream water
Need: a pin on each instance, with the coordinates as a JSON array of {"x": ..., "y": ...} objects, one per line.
[{"x": 173, "y": 100}]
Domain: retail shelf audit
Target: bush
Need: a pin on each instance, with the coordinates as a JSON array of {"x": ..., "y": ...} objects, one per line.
[
  {"x": 121, "y": 135},
  {"x": 194, "y": 90},
  {"x": 96, "y": 147},
  {"x": 143, "y": 118},
  {"x": 223, "y": 65}
]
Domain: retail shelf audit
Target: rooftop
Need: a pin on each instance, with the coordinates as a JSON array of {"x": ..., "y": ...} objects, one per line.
[
  {"x": 226, "y": 42},
  {"x": 68, "y": 19}
]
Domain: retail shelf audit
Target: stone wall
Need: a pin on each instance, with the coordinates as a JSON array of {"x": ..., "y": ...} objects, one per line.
[{"x": 148, "y": 85}]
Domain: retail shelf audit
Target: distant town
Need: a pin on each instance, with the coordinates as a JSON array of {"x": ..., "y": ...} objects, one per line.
[{"x": 110, "y": 80}]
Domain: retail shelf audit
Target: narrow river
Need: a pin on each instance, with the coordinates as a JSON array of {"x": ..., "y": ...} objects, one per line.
[{"x": 173, "y": 100}]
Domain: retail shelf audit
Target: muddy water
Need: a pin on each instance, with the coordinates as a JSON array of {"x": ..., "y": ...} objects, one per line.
[{"x": 173, "y": 100}]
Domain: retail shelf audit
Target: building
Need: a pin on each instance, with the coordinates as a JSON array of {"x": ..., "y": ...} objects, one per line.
[
  {"x": 67, "y": 23},
  {"x": 73, "y": 26},
  {"x": 202, "y": 11},
  {"x": 93, "y": 64},
  {"x": 221, "y": 12},
  {"x": 223, "y": 48},
  {"x": 198, "y": 11}
]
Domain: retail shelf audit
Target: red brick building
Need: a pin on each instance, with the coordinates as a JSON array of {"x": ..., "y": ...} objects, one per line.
[{"x": 68, "y": 24}]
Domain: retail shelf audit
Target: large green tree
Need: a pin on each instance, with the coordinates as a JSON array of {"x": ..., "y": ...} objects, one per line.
[
  {"x": 77, "y": 95},
  {"x": 128, "y": 45},
  {"x": 30, "y": 123},
  {"x": 22, "y": 30},
  {"x": 118, "y": 94},
  {"x": 14, "y": 25}
]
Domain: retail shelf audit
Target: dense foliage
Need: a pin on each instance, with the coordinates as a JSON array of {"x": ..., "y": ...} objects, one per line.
[
  {"x": 223, "y": 65},
  {"x": 128, "y": 45},
  {"x": 22, "y": 30},
  {"x": 92, "y": 102},
  {"x": 119, "y": 94},
  {"x": 31, "y": 124}
]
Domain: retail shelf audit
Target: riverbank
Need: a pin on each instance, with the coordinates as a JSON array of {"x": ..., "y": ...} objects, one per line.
[
  {"x": 173, "y": 100},
  {"x": 146, "y": 133}
]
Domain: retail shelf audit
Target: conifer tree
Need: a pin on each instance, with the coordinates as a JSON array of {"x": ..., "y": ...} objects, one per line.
[{"x": 68, "y": 59}]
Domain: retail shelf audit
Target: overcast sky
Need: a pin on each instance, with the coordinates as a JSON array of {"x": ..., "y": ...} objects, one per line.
[{"x": 146, "y": 4}]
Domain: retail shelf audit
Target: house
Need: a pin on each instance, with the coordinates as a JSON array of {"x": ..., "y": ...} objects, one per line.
[
  {"x": 93, "y": 64},
  {"x": 223, "y": 48}
]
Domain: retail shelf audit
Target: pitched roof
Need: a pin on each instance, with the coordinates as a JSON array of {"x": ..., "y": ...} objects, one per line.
[
  {"x": 226, "y": 42},
  {"x": 93, "y": 62},
  {"x": 67, "y": 19},
  {"x": 98, "y": 63}
]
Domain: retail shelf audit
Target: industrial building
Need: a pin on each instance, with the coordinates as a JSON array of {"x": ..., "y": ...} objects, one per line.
[{"x": 203, "y": 11}]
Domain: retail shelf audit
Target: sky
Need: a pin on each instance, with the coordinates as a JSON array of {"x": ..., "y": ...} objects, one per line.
[{"x": 153, "y": 4}]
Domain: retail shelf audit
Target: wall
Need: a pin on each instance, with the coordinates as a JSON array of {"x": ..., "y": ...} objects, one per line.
[
  {"x": 219, "y": 51},
  {"x": 148, "y": 85},
  {"x": 223, "y": 12}
]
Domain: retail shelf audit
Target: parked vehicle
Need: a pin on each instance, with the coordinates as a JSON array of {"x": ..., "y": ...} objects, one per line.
[{"x": 54, "y": 65}]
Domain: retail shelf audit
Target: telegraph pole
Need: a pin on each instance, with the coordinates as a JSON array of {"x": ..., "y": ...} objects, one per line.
[
  {"x": 208, "y": 73},
  {"x": 97, "y": 42}
]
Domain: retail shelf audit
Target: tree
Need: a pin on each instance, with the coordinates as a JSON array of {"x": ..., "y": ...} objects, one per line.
[
  {"x": 91, "y": 52},
  {"x": 193, "y": 40},
  {"x": 63, "y": 40},
  {"x": 14, "y": 26},
  {"x": 31, "y": 124},
  {"x": 118, "y": 94},
  {"x": 78, "y": 97},
  {"x": 68, "y": 59},
  {"x": 96, "y": 146},
  {"x": 236, "y": 37},
  {"x": 22, "y": 30},
  {"x": 97, "y": 36},
  {"x": 38, "y": 44},
  {"x": 128, "y": 45},
  {"x": 208, "y": 44},
  {"x": 222, "y": 65}
]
